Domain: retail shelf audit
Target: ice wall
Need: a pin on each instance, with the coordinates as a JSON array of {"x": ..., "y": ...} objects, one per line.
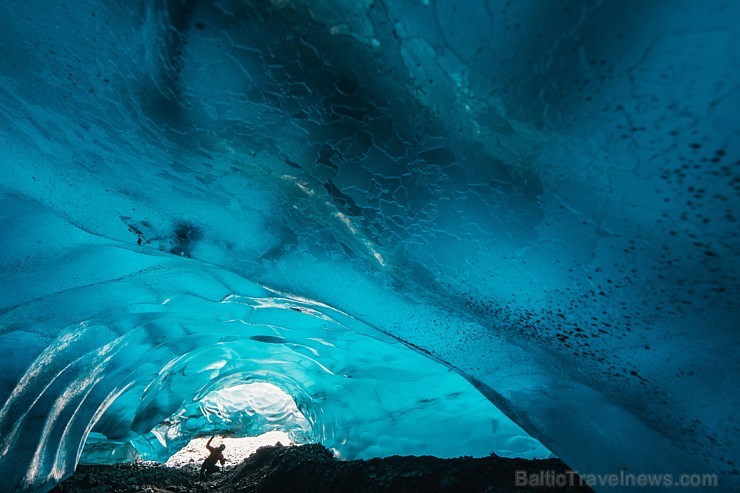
[
  {"x": 540, "y": 195},
  {"x": 136, "y": 352}
]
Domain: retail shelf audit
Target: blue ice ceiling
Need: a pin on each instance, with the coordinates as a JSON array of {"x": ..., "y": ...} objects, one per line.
[{"x": 365, "y": 204}]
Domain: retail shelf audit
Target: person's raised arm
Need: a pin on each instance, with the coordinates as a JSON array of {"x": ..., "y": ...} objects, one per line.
[{"x": 208, "y": 444}]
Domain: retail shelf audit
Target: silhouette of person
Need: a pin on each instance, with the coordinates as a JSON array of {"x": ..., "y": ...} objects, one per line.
[{"x": 216, "y": 455}]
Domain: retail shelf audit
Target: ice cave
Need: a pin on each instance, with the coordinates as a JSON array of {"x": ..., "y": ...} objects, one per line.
[{"x": 443, "y": 227}]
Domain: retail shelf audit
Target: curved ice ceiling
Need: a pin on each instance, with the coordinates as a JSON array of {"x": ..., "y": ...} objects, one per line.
[{"x": 540, "y": 195}]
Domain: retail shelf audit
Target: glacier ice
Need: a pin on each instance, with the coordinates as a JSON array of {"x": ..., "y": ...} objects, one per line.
[{"x": 370, "y": 206}]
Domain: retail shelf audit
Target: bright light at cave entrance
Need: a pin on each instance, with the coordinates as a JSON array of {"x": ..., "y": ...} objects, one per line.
[
  {"x": 241, "y": 412},
  {"x": 237, "y": 449}
]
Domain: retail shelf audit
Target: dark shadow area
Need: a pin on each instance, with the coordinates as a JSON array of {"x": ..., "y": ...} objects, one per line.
[{"x": 313, "y": 468}]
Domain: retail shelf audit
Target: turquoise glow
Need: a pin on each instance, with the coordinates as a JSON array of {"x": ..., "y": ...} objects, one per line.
[{"x": 394, "y": 211}]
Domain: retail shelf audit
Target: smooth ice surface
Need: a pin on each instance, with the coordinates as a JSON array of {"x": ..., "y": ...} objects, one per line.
[
  {"x": 165, "y": 353},
  {"x": 541, "y": 197}
]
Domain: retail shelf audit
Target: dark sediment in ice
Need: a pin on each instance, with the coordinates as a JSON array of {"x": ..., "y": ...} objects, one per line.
[{"x": 312, "y": 468}]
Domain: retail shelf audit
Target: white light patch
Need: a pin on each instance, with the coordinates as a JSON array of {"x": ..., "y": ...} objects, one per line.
[
  {"x": 346, "y": 222},
  {"x": 303, "y": 186},
  {"x": 379, "y": 258},
  {"x": 237, "y": 449}
]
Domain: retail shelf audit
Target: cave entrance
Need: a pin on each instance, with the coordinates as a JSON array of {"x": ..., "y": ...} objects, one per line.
[
  {"x": 242, "y": 416},
  {"x": 237, "y": 449}
]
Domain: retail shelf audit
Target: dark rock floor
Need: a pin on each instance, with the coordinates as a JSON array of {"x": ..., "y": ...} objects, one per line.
[{"x": 312, "y": 468}]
